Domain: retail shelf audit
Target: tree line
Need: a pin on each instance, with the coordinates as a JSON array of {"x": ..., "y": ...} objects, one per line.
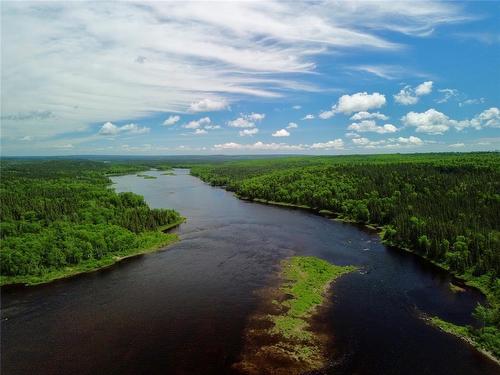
[
  {"x": 55, "y": 214},
  {"x": 445, "y": 207}
]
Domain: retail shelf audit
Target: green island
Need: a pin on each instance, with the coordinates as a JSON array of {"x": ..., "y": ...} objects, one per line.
[
  {"x": 279, "y": 339},
  {"x": 60, "y": 218},
  {"x": 444, "y": 207}
]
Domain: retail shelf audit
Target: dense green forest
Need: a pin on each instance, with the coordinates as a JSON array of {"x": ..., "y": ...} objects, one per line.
[
  {"x": 60, "y": 217},
  {"x": 444, "y": 207}
]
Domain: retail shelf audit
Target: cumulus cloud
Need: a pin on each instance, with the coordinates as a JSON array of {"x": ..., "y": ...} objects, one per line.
[
  {"x": 430, "y": 121},
  {"x": 308, "y": 117},
  {"x": 489, "y": 118},
  {"x": 367, "y": 116},
  {"x": 200, "y": 132},
  {"x": 325, "y": 115},
  {"x": 195, "y": 124},
  {"x": 388, "y": 143},
  {"x": 256, "y": 116},
  {"x": 258, "y": 146},
  {"x": 281, "y": 133},
  {"x": 209, "y": 105},
  {"x": 248, "y": 132},
  {"x": 336, "y": 144},
  {"x": 297, "y": 107},
  {"x": 371, "y": 126},
  {"x": 361, "y": 101},
  {"x": 171, "y": 120},
  {"x": 292, "y": 125},
  {"x": 435, "y": 122},
  {"x": 110, "y": 129},
  {"x": 358, "y": 102},
  {"x": 246, "y": 121},
  {"x": 424, "y": 88},
  {"x": 409, "y": 95},
  {"x": 457, "y": 145}
]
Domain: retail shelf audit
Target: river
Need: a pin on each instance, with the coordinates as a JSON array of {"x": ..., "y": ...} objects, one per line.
[{"x": 183, "y": 310}]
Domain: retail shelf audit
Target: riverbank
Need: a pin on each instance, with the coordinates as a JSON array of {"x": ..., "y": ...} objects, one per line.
[
  {"x": 157, "y": 242},
  {"x": 279, "y": 338},
  {"x": 462, "y": 333},
  {"x": 465, "y": 280}
]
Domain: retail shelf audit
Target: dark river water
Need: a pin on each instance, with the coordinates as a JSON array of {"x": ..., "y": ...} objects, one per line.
[{"x": 183, "y": 310}]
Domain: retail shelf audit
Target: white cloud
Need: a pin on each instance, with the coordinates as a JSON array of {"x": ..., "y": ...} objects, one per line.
[
  {"x": 209, "y": 105},
  {"x": 424, "y": 88},
  {"x": 281, "y": 133},
  {"x": 388, "y": 143},
  {"x": 361, "y": 101},
  {"x": 171, "y": 120},
  {"x": 409, "y": 95},
  {"x": 246, "y": 121},
  {"x": 157, "y": 57},
  {"x": 489, "y": 118},
  {"x": 326, "y": 115},
  {"x": 241, "y": 122},
  {"x": 352, "y": 135},
  {"x": 457, "y": 145},
  {"x": 195, "y": 124},
  {"x": 292, "y": 125},
  {"x": 336, "y": 144},
  {"x": 200, "y": 132},
  {"x": 367, "y": 115},
  {"x": 430, "y": 121},
  {"x": 411, "y": 140},
  {"x": 297, "y": 107},
  {"x": 471, "y": 101},
  {"x": 212, "y": 127},
  {"x": 435, "y": 122},
  {"x": 371, "y": 126},
  {"x": 110, "y": 129},
  {"x": 258, "y": 146},
  {"x": 308, "y": 117},
  {"x": 26, "y": 138},
  {"x": 248, "y": 132},
  {"x": 256, "y": 116},
  {"x": 447, "y": 95}
]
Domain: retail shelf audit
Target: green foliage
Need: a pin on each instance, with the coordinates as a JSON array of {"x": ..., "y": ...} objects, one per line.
[
  {"x": 445, "y": 207},
  {"x": 306, "y": 280},
  {"x": 61, "y": 214}
]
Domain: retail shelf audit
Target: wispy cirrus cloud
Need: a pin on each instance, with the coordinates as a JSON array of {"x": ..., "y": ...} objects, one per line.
[{"x": 86, "y": 67}]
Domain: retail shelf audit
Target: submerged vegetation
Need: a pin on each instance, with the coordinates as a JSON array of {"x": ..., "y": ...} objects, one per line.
[
  {"x": 284, "y": 328},
  {"x": 59, "y": 218},
  {"x": 444, "y": 207}
]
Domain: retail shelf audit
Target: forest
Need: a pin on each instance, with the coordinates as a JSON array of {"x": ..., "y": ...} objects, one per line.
[
  {"x": 60, "y": 217},
  {"x": 444, "y": 207}
]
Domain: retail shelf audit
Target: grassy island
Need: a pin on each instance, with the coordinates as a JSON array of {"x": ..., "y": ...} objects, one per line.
[{"x": 280, "y": 339}]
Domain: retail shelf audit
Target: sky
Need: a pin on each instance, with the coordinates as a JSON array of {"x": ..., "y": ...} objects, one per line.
[{"x": 256, "y": 77}]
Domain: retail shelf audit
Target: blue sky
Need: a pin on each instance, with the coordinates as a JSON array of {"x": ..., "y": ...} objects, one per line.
[{"x": 249, "y": 77}]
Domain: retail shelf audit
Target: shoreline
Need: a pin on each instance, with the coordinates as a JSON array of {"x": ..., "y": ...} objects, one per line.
[
  {"x": 337, "y": 216},
  {"x": 453, "y": 329},
  {"x": 89, "y": 267},
  {"x": 462, "y": 280}
]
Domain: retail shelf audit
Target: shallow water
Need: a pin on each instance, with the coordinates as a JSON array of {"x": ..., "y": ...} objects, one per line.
[{"x": 183, "y": 310}]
